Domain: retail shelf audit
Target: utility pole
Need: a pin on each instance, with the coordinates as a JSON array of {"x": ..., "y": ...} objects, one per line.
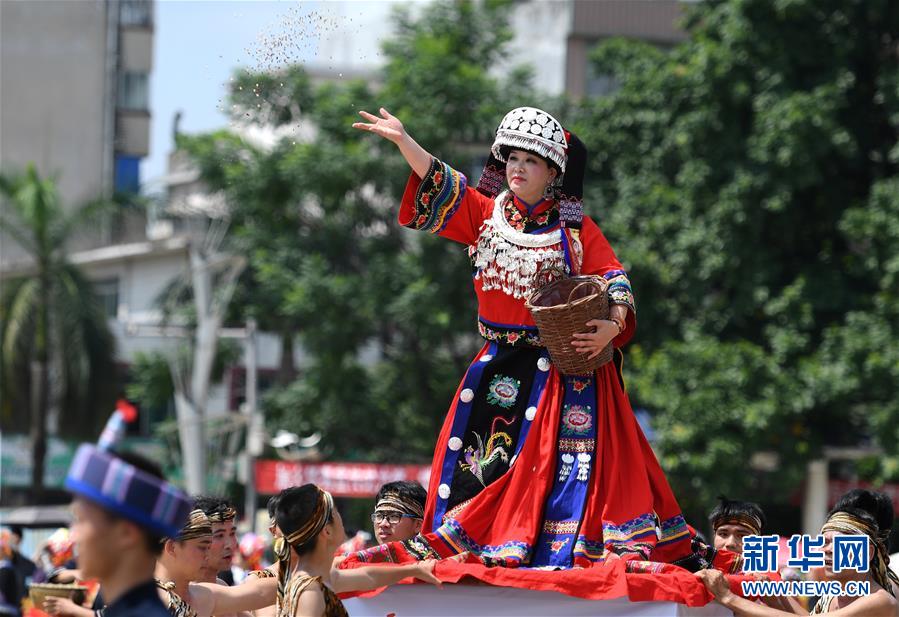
[
  {"x": 255, "y": 431},
  {"x": 254, "y": 428},
  {"x": 815, "y": 502}
]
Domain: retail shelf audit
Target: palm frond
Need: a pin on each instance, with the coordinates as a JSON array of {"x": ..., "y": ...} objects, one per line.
[
  {"x": 8, "y": 226},
  {"x": 85, "y": 344},
  {"x": 20, "y": 309},
  {"x": 35, "y": 202}
]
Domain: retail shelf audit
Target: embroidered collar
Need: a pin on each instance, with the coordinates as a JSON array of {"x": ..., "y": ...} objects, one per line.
[
  {"x": 502, "y": 226},
  {"x": 531, "y": 218}
]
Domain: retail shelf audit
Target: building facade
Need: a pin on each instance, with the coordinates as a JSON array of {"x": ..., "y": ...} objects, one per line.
[
  {"x": 592, "y": 21},
  {"x": 74, "y": 99}
]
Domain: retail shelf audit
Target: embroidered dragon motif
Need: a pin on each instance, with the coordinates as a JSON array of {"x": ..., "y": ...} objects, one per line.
[{"x": 477, "y": 459}]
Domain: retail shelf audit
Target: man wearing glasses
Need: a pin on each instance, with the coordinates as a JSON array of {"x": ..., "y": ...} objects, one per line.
[{"x": 399, "y": 511}]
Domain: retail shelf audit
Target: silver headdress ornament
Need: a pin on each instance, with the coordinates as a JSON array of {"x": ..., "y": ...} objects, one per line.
[{"x": 532, "y": 129}]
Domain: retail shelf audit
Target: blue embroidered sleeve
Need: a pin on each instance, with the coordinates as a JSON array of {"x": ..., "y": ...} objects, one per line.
[
  {"x": 620, "y": 289},
  {"x": 437, "y": 198}
]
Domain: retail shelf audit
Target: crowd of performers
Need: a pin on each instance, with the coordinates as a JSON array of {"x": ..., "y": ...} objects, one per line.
[
  {"x": 139, "y": 563},
  {"x": 533, "y": 469}
]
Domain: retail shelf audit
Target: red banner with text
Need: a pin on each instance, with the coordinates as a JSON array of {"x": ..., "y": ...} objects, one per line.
[{"x": 339, "y": 479}]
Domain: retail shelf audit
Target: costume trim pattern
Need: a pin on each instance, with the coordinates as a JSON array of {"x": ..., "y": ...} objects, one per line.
[{"x": 438, "y": 197}]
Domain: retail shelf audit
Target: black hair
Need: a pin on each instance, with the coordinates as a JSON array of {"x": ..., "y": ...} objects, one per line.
[
  {"x": 272, "y": 506},
  {"x": 727, "y": 508},
  {"x": 412, "y": 491},
  {"x": 152, "y": 540},
  {"x": 212, "y": 505},
  {"x": 865, "y": 516},
  {"x": 878, "y": 505},
  {"x": 295, "y": 506},
  {"x": 16, "y": 530}
]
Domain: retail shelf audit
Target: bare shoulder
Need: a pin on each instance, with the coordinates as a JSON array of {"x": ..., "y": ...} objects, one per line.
[
  {"x": 878, "y": 604},
  {"x": 311, "y": 602},
  {"x": 313, "y": 585}
]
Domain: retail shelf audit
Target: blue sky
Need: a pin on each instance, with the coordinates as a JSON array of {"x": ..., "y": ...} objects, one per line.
[{"x": 198, "y": 44}]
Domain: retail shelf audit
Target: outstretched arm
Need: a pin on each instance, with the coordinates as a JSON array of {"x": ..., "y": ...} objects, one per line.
[
  {"x": 878, "y": 604},
  {"x": 373, "y": 577},
  {"x": 390, "y": 128},
  {"x": 249, "y": 596}
]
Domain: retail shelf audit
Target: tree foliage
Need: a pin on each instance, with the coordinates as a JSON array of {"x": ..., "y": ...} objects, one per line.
[{"x": 749, "y": 178}]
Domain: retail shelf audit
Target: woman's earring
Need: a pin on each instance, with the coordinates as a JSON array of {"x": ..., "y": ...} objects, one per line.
[{"x": 549, "y": 192}]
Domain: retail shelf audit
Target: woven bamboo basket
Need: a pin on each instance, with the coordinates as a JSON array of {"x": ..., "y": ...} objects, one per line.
[
  {"x": 37, "y": 592},
  {"x": 561, "y": 309}
]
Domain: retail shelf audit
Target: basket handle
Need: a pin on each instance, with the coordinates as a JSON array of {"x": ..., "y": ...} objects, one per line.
[
  {"x": 540, "y": 278},
  {"x": 593, "y": 284}
]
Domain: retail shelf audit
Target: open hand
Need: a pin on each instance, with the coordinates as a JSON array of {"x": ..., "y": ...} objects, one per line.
[
  {"x": 387, "y": 126},
  {"x": 594, "y": 342}
]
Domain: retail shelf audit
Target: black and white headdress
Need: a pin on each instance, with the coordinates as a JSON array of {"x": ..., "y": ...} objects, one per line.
[{"x": 532, "y": 129}]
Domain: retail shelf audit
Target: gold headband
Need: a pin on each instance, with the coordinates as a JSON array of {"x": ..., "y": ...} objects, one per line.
[
  {"x": 394, "y": 502},
  {"x": 843, "y": 522},
  {"x": 752, "y": 523},
  {"x": 197, "y": 526},
  {"x": 223, "y": 515},
  {"x": 324, "y": 507},
  {"x": 309, "y": 529}
]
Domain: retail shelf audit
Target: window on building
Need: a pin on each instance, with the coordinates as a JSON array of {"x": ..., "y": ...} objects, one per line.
[
  {"x": 107, "y": 291},
  {"x": 134, "y": 90},
  {"x": 127, "y": 174},
  {"x": 136, "y": 13}
]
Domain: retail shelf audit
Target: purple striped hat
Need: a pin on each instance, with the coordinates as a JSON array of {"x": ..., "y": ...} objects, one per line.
[{"x": 127, "y": 491}]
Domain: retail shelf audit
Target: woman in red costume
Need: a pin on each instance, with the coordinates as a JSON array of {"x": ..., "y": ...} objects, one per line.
[{"x": 533, "y": 468}]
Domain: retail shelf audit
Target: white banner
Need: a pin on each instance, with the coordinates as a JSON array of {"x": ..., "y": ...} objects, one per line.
[{"x": 489, "y": 601}]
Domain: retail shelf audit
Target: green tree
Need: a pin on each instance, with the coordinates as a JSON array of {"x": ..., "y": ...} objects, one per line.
[
  {"x": 748, "y": 178},
  {"x": 53, "y": 331},
  {"x": 386, "y": 317}
]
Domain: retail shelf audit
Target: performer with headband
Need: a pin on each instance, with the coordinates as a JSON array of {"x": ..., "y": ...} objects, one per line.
[
  {"x": 842, "y": 520},
  {"x": 181, "y": 563},
  {"x": 307, "y": 582},
  {"x": 179, "y": 566},
  {"x": 311, "y": 531},
  {"x": 399, "y": 511},
  {"x": 532, "y": 467},
  {"x": 222, "y": 517},
  {"x": 731, "y": 521}
]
